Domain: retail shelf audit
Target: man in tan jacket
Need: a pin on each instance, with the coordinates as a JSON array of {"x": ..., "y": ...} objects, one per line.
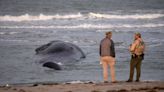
[
  {"x": 137, "y": 51},
  {"x": 107, "y": 57}
]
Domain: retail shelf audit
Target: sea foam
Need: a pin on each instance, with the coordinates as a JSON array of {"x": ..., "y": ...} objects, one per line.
[
  {"x": 88, "y": 26},
  {"x": 135, "y": 16},
  {"x": 43, "y": 17},
  {"x": 39, "y": 17}
]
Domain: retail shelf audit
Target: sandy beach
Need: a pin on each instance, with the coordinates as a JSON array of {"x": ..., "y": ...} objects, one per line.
[{"x": 147, "y": 86}]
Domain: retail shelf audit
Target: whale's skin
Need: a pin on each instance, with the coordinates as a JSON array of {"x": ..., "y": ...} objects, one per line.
[
  {"x": 60, "y": 53},
  {"x": 52, "y": 65}
]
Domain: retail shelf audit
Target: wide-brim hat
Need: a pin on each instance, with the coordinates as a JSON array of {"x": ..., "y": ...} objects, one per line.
[{"x": 138, "y": 34}]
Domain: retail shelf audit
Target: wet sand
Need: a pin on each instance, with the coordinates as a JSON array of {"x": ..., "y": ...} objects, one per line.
[{"x": 147, "y": 86}]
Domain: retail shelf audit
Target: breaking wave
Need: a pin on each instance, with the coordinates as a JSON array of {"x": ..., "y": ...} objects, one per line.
[
  {"x": 89, "y": 26},
  {"x": 136, "y": 16},
  {"x": 41, "y": 17}
]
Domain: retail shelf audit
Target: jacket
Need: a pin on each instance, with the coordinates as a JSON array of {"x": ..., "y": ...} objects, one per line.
[{"x": 107, "y": 47}]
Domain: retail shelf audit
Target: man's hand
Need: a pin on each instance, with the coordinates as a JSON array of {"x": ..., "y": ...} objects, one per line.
[{"x": 100, "y": 63}]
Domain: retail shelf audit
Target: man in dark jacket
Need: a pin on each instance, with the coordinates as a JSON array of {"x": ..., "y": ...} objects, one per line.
[{"x": 107, "y": 57}]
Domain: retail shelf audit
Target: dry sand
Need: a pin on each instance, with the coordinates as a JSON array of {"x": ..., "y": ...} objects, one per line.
[{"x": 153, "y": 86}]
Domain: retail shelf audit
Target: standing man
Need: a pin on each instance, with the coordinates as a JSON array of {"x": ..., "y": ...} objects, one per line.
[
  {"x": 107, "y": 57},
  {"x": 137, "y": 50}
]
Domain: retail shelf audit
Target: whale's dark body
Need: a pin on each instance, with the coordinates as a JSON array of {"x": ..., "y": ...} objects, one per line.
[
  {"x": 57, "y": 52},
  {"x": 52, "y": 65}
]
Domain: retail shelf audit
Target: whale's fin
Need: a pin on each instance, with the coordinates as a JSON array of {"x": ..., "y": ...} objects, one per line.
[{"x": 52, "y": 65}]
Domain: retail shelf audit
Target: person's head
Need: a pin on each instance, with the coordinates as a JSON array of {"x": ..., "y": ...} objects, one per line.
[
  {"x": 137, "y": 35},
  {"x": 109, "y": 34}
]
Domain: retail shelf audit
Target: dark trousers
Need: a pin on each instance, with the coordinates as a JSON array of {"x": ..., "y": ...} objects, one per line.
[{"x": 135, "y": 63}]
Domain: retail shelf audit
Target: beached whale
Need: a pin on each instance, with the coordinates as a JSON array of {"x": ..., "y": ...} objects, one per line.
[{"x": 57, "y": 53}]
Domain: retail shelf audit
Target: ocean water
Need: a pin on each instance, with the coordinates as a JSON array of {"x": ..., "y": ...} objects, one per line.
[{"x": 28, "y": 24}]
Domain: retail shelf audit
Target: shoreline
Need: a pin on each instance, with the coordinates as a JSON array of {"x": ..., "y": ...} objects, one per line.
[{"x": 121, "y": 86}]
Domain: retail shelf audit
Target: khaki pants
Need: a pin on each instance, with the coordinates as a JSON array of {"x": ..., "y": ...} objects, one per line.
[{"x": 108, "y": 61}]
